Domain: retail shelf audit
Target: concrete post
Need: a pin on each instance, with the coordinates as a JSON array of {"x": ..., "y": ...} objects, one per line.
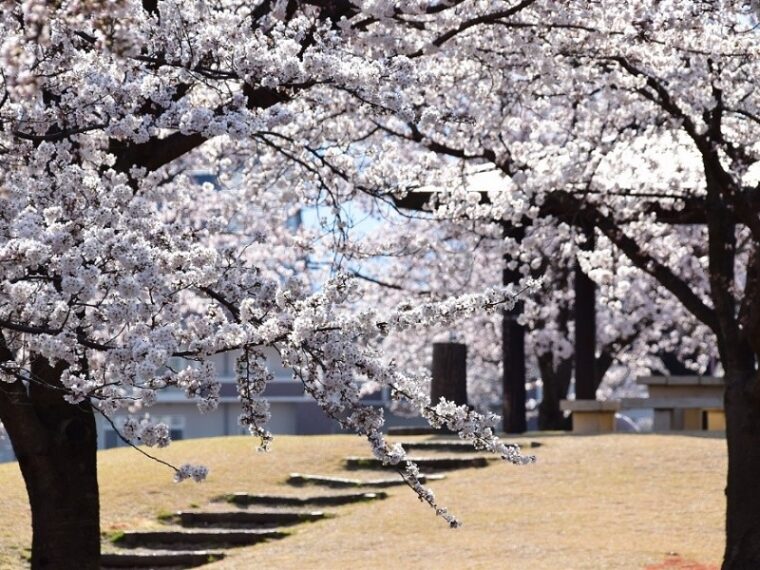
[{"x": 449, "y": 372}]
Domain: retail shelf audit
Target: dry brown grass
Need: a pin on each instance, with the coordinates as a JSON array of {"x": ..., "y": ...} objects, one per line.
[{"x": 617, "y": 501}]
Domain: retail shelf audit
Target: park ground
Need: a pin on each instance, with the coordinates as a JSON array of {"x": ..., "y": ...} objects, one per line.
[{"x": 617, "y": 501}]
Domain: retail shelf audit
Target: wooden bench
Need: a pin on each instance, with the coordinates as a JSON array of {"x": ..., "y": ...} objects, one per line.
[
  {"x": 591, "y": 416},
  {"x": 682, "y": 402}
]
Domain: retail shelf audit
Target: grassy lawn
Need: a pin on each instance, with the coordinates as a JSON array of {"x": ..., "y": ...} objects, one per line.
[{"x": 616, "y": 501}]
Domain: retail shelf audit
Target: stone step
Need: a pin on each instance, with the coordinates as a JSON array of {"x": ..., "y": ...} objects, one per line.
[
  {"x": 182, "y": 539},
  {"x": 158, "y": 558},
  {"x": 245, "y": 499},
  {"x": 451, "y": 445},
  {"x": 416, "y": 430},
  {"x": 299, "y": 479},
  {"x": 245, "y": 519},
  {"x": 427, "y": 463},
  {"x": 439, "y": 445}
]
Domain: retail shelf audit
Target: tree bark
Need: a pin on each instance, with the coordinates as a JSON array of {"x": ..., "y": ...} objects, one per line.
[
  {"x": 555, "y": 385},
  {"x": 585, "y": 326},
  {"x": 743, "y": 485},
  {"x": 513, "y": 353},
  {"x": 56, "y": 444}
]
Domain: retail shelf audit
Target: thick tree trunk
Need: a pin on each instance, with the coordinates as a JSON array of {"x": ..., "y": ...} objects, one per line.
[
  {"x": 513, "y": 351},
  {"x": 555, "y": 385},
  {"x": 551, "y": 418},
  {"x": 585, "y": 326},
  {"x": 743, "y": 486},
  {"x": 56, "y": 443}
]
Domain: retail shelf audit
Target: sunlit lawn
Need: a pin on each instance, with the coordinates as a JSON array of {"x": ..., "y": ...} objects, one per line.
[{"x": 617, "y": 501}]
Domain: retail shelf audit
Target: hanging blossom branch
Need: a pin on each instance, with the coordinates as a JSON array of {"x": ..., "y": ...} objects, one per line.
[
  {"x": 471, "y": 425},
  {"x": 324, "y": 352},
  {"x": 159, "y": 282},
  {"x": 319, "y": 336},
  {"x": 154, "y": 434}
]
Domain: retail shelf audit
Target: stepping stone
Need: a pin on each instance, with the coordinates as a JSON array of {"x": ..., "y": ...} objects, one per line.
[
  {"x": 451, "y": 445},
  {"x": 244, "y": 499},
  {"x": 431, "y": 463},
  {"x": 181, "y": 539},
  {"x": 440, "y": 445},
  {"x": 421, "y": 430},
  {"x": 246, "y": 519},
  {"x": 298, "y": 480},
  {"x": 158, "y": 559}
]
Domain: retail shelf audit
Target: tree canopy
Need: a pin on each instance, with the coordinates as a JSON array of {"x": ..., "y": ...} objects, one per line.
[{"x": 623, "y": 134}]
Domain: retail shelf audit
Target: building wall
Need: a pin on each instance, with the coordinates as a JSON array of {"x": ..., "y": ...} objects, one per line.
[
  {"x": 186, "y": 422},
  {"x": 293, "y": 412}
]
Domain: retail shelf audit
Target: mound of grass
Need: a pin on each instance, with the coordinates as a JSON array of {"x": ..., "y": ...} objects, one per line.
[{"x": 616, "y": 501}]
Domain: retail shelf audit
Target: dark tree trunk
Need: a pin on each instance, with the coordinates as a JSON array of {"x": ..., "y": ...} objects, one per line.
[
  {"x": 56, "y": 444},
  {"x": 743, "y": 486},
  {"x": 513, "y": 353},
  {"x": 555, "y": 385},
  {"x": 513, "y": 350},
  {"x": 585, "y": 327}
]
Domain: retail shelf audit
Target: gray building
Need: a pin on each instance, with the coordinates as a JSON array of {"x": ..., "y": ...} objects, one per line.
[{"x": 293, "y": 411}]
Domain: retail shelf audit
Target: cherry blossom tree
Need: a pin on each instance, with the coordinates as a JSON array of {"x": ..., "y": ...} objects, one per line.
[
  {"x": 636, "y": 121},
  {"x": 434, "y": 257},
  {"x": 116, "y": 264},
  {"x": 633, "y": 121}
]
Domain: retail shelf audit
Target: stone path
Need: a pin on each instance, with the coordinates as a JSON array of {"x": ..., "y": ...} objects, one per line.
[
  {"x": 143, "y": 558},
  {"x": 247, "y": 499},
  {"x": 449, "y": 445},
  {"x": 299, "y": 480},
  {"x": 199, "y": 536},
  {"x": 426, "y": 463},
  {"x": 178, "y": 538}
]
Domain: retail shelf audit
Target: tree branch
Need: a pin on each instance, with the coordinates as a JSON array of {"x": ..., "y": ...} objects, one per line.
[{"x": 645, "y": 262}]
